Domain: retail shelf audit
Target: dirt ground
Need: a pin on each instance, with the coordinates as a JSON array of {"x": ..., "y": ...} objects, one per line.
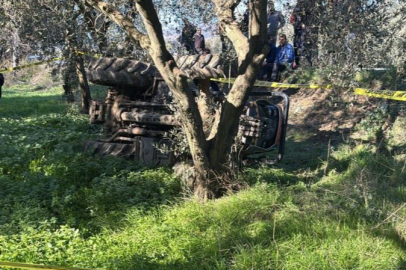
[
  {"x": 318, "y": 120},
  {"x": 327, "y": 110}
]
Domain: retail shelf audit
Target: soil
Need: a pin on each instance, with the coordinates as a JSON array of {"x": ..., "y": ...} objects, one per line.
[
  {"x": 327, "y": 110},
  {"x": 318, "y": 119}
]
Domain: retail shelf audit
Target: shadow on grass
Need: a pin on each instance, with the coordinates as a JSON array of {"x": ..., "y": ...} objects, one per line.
[
  {"x": 81, "y": 191},
  {"x": 307, "y": 149},
  {"x": 401, "y": 265},
  {"x": 304, "y": 160}
]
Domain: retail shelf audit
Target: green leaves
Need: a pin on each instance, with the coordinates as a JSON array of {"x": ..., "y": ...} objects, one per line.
[
  {"x": 60, "y": 206},
  {"x": 44, "y": 174}
]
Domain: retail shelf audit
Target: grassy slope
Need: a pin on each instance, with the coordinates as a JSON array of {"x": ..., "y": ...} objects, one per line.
[{"x": 60, "y": 206}]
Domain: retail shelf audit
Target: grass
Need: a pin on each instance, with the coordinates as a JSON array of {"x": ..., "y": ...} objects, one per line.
[
  {"x": 60, "y": 206},
  {"x": 41, "y": 158},
  {"x": 23, "y": 101}
]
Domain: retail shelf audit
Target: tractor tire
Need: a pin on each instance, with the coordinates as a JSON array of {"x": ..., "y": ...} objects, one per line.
[
  {"x": 201, "y": 66},
  {"x": 120, "y": 72}
]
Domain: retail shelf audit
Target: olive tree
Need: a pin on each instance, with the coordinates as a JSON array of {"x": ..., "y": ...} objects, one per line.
[
  {"x": 43, "y": 28},
  {"x": 210, "y": 149},
  {"x": 345, "y": 35}
]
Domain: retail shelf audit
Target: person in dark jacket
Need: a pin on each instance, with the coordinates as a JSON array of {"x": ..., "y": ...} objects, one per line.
[
  {"x": 267, "y": 65},
  {"x": 275, "y": 22},
  {"x": 186, "y": 38},
  {"x": 199, "y": 41},
  {"x": 1, "y": 82}
]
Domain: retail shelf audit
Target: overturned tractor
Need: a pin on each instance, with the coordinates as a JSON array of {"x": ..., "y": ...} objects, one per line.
[{"x": 138, "y": 112}]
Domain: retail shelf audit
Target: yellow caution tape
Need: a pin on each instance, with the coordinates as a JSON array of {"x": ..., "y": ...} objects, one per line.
[
  {"x": 286, "y": 85},
  {"x": 278, "y": 85},
  {"x": 30, "y": 65},
  {"x": 386, "y": 94},
  {"x": 89, "y": 54},
  {"x": 37, "y": 266},
  {"x": 44, "y": 62}
]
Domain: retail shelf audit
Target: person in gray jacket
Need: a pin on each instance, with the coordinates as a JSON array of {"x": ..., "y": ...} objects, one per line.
[
  {"x": 275, "y": 22},
  {"x": 199, "y": 41}
]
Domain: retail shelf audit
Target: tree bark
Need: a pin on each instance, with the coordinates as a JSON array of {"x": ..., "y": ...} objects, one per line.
[
  {"x": 68, "y": 81},
  {"x": 78, "y": 66},
  {"x": 83, "y": 84},
  {"x": 16, "y": 48},
  {"x": 251, "y": 52},
  {"x": 206, "y": 106}
]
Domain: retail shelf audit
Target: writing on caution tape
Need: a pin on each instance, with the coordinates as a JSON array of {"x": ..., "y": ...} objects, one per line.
[
  {"x": 386, "y": 94},
  {"x": 45, "y": 62},
  {"x": 37, "y": 266},
  {"x": 278, "y": 85}
]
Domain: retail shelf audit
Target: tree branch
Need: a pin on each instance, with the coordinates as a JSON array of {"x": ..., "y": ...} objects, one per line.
[
  {"x": 251, "y": 54},
  {"x": 225, "y": 14},
  {"x": 176, "y": 81},
  {"x": 122, "y": 21}
]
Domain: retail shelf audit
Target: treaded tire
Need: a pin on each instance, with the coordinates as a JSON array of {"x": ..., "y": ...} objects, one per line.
[{"x": 120, "y": 72}]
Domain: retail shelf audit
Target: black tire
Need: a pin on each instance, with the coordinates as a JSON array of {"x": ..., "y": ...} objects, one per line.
[
  {"x": 120, "y": 72},
  {"x": 127, "y": 72}
]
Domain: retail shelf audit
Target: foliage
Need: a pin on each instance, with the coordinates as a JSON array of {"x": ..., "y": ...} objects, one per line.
[
  {"x": 370, "y": 128},
  {"x": 45, "y": 175},
  {"x": 381, "y": 79},
  {"x": 38, "y": 77},
  {"x": 64, "y": 207},
  {"x": 342, "y": 36},
  {"x": 397, "y": 134}
]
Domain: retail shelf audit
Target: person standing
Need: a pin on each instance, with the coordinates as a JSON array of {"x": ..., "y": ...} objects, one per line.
[
  {"x": 199, "y": 41},
  {"x": 275, "y": 22},
  {"x": 186, "y": 38}
]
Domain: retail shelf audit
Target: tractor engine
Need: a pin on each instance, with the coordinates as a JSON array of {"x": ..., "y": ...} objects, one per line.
[{"x": 137, "y": 114}]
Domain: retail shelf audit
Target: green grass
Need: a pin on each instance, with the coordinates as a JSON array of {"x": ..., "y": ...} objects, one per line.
[
  {"x": 60, "y": 206},
  {"x": 45, "y": 175},
  {"x": 23, "y": 101}
]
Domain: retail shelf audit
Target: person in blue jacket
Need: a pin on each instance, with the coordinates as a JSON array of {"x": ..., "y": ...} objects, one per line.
[{"x": 285, "y": 57}]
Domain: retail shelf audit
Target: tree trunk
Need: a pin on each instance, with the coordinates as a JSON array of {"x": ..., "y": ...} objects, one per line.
[
  {"x": 68, "y": 81},
  {"x": 83, "y": 84},
  {"x": 76, "y": 67},
  {"x": 16, "y": 48},
  {"x": 206, "y": 106},
  {"x": 68, "y": 93}
]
